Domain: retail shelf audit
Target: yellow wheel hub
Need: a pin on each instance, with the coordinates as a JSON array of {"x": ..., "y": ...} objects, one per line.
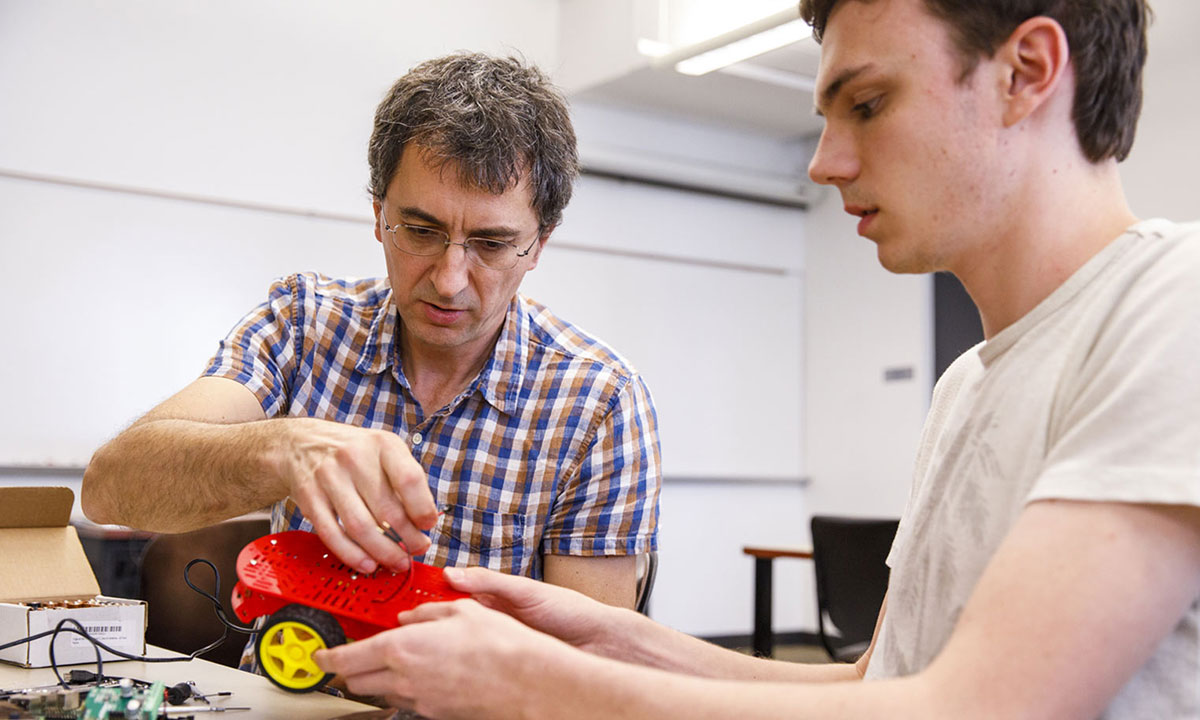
[{"x": 286, "y": 655}]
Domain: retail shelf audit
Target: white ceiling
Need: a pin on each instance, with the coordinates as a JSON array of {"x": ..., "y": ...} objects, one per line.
[
  {"x": 762, "y": 96},
  {"x": 767, "y": 94}
]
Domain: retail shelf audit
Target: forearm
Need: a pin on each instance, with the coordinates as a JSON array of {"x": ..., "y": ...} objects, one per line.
[
  {"x": 171, "y": 475},
  {"x": 638, "y": 640},
  {"x": 591, "y": 687}
]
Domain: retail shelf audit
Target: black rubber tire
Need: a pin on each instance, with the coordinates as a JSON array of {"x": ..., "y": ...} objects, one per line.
[{"x": 318, "y": 623}]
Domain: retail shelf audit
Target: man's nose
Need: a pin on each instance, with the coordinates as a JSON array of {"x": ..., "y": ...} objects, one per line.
[
  {"x": 451, "y": 271},
  {"x": 836, "y": 161}
]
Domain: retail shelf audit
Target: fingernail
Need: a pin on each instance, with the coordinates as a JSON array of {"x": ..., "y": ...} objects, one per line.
[
  {"x": 453, "y": 574},
  {"x": 368, "y": 566}
]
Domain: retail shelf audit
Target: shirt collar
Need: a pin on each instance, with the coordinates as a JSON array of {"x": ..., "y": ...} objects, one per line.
[
  {"x": 380, "y": 347},
  {"x": 500, "y": 380}
]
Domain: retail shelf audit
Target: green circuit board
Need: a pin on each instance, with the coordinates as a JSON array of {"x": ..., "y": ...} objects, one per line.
[{"x": 110, "y": 703}]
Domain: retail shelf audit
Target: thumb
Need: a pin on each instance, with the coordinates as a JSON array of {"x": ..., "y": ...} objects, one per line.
[{"x": 481, "y": 581}]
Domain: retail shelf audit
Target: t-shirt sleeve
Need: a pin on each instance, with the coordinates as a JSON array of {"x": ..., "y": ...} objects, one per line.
[
  {"x": 1128, "y": 425},
  {"x": 259, "y": 351},
  {"x": 608, "y": 505}
]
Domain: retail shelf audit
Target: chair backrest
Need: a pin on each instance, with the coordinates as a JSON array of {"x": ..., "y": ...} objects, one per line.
[
  {"x": 851, "y": 576},
  {"x": 178, "y": 618},
  {"x": 647, "y": 570}
]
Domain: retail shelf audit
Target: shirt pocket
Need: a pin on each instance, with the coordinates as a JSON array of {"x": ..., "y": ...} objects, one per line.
[{"x": 475, "y": 536}]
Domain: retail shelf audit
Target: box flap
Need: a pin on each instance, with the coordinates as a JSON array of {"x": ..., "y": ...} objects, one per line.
[
  {"x": 44, "y": 564},
  {"x": 25, "y": 507}
]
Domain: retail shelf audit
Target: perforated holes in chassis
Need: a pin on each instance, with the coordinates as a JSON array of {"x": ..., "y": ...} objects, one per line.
[{"x": 296, "y": 567}]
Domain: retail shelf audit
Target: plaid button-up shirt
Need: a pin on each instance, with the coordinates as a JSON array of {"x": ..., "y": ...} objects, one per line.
[{"x": 553, "y": 449}]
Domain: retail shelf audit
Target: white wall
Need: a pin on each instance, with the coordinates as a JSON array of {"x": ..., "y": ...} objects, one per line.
[
  {"x": 1160, "y": 175},
  {"x": 860, "y": 321},
  {"x": 861, "y": 431},
  {"x": 266, "y": 101}
]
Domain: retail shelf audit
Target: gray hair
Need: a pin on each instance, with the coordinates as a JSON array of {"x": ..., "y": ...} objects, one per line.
[{"x": 494, "y": 118}]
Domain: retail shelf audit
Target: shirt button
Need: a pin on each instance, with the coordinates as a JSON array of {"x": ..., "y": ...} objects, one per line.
[{"x": 416, "y": 438}]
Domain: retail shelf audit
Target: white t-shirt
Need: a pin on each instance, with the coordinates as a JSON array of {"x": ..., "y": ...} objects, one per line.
[{"x": 1092, "y": 395}]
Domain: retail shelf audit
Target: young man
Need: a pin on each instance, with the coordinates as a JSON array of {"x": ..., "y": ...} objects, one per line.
[
  {"x": 1048, "y": 564},
  {"x": 436, "y": 399}
]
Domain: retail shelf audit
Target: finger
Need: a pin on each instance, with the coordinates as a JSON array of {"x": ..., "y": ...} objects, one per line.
[
  {"x": 376, "y": 490},
  {"x": 395, "y": 524},
  {"x": 376, "y": 683},
  {"x": 402, "y": 703},
  {"x": 482, "y": 581},
  {"x": 396, "y": 527},
  {"x": 357, "y": 658},
  {"x": 427, "y": 612},
  {"x": 325, "y": 524},
  {"x": 360, "y": 524},
  {"x": 407, "y": 480}
]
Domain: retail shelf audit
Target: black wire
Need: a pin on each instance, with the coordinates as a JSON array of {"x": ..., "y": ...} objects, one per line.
[
  {"x": 213, "y": 597},
  {"x": 54, "y": 663}
]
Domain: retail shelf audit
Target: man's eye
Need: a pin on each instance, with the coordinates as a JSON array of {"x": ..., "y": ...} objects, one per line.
[
  {"x": 491, "y": 247},
  {"x": 422, "y": 233},
  {"x": 867, "y": 109}
]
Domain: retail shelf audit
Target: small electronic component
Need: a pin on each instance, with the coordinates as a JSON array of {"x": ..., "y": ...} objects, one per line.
[
  {"x": 124, "y": 701},
  {"x": 48, "y": 703}
]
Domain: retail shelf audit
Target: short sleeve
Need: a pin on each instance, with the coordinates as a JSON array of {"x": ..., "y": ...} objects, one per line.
[
  {"x": 1128, "y": 424},
  {"x": 609, "y": 504},
  {"x": 260, "y": 351}
]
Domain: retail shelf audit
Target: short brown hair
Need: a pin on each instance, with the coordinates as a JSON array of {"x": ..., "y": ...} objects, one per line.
[
  {"x": 1107, "y": 39},
  {"x": 495, "y": 118}
]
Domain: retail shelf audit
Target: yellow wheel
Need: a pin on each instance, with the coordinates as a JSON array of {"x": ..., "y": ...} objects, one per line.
[{"x": 286, "y": 645}]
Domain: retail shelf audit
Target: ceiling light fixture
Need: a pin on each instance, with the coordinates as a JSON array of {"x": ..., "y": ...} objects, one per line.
[{"x": 763, "y": 35}]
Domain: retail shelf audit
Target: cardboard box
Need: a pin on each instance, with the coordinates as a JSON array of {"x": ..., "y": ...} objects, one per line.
[{"x": 45, "y": 578}]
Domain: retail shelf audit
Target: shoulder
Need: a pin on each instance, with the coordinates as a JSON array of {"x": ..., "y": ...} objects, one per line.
[
  {"x": 558, "y": 341},
  {"x": 347, "y": 307},
  {"x": 322, "y": 289},
  {"x": 1157, "y": 279},
  {"x": 1163, "y": 251},
  {"x": 316, "y": 292}
]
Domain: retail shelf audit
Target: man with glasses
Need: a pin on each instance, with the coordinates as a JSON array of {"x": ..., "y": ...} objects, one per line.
[{"x": 436, "y": 400}]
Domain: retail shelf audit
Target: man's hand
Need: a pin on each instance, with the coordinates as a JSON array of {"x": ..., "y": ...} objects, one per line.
[
  {"x": 209, "y": 453},
  {"x": 353, "y": 483},
  {"x": 447, "y": 660}
]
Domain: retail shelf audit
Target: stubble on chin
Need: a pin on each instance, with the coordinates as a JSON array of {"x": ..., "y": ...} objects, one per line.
[{"x": 905, "y": 261}]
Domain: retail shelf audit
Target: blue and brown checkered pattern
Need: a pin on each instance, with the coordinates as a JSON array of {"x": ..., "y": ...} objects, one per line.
[{"x": 553, "y": 449}]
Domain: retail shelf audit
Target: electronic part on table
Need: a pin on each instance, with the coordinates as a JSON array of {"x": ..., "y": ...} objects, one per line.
[{"x": 127, "y": 699}]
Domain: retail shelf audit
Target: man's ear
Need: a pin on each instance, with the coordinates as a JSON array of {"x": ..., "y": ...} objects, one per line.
[
  {"x": 375, "y": 207},
  {"x": 536, "y": 254},
  {"x": 1035, "y": 58}
]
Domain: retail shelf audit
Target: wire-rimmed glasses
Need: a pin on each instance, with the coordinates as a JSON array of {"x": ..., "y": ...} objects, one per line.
[{"x": 424, "y": 241}]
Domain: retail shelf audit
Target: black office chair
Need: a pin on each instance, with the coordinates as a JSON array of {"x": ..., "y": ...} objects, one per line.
[
  {"x": 647, "y": 570},
  {"x": 178, "y": 618},
  {"x": 851, "y": 576}
]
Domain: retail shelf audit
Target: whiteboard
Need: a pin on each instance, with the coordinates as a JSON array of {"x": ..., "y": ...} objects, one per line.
[{"x": 114, "y": 300}]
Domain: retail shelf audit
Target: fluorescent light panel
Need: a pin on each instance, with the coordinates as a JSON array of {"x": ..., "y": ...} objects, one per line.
[
  {"x": 652, "y": 48},
  {"x": 744, "y": 49}
]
